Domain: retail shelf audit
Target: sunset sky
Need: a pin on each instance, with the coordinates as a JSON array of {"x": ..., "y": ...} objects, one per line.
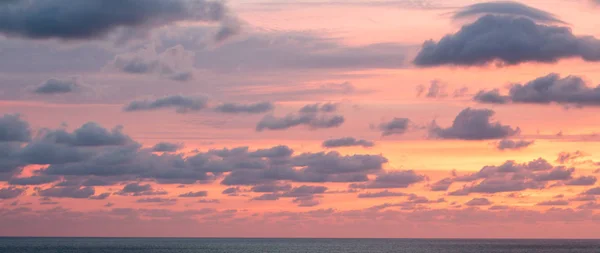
[{"x": 279, "y": 118}]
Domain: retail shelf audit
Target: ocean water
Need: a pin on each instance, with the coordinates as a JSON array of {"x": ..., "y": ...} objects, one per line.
[{"x": 172, "y": 245}]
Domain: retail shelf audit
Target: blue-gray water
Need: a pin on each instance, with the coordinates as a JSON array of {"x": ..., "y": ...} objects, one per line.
[{"x": 164, "y": 245}]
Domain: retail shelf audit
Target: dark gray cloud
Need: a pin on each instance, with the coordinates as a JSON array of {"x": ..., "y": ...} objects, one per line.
[
  {"x": 102, "y": 196},
  {"x": 67, "y": 192},
  {"x": 304, "y": 196},
  {"x": 95, "y": 18},
  {"x": 513, "y": 144},
  {"x": 592, "y": 191},
  {"x": 311, "y": 167},
  {"x": 33, "y": 180},
  {"x": 506, "y": 8},
  {"x": 49, "y": 152},
  {"x": 478, "y": 202},
  {"x": 181, "y": 104},
  {"x": 552, "y": 88},
  {"x": 90, "y": 134},
  {"x": 392, "y": 179},
  {"x": 508, "y": 41},
  {"x": 255, "y": 108},
  {"x": 156, "y": 200},
  {"x": 167, "y": 147},
  {"x": 513, "y": 177},
  {"x": 13, "y": 128},
  {"x": 474, "y": 124},
  {"x": 395, "y": 126},
  {"x": 442, "y": 185},
  {"x": 318, "y": 107},
  {"x": 347, "y": 142},
  {"x": 194, "y": 194},
  {"x": 491, "y": 97},
  {"x": 315, "y": 116},
  {"x": 56, "y": 86},
  {"x": 582, "y": 180},
  {"x": 554, "y": 203},
  {"x": 136, "y": 189},
  {"x": 272, "y": 188},
  {"x": 381, "y": 194},
  {"x": 10, "y": 192}
]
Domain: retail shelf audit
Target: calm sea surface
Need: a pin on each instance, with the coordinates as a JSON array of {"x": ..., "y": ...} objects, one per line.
[{"x": 114, "y": 245}]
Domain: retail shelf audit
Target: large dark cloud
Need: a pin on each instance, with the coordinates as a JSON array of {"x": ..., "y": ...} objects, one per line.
[
  {"x": 474, "y": 124},
  {"x": 314, "y": 116},
  {"x": 506, "y": 8},
  {"x": 255, "y": 108},
  {"x": 181, "y": 104},
  {"x": 552, "y": 88},
  {"x": 136, "y": 189},
  {"x": 392, "y": 179},
  {"x": 347, "y": 142},
  {"x": 91, "y": 19},
  {"x": 509, "y": 41},
  {"x": 13, "y": 128}
]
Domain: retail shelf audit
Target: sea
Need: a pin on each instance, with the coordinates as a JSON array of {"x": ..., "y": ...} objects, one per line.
[{"x": 231, "y": 245}]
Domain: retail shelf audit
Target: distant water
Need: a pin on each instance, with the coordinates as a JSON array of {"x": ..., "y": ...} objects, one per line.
[{"x": 164, "y": 245}]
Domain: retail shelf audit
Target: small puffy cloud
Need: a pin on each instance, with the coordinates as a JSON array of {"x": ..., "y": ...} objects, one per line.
[
  {"x": 10, "y": 192},
  {"x": 513, "y": 144},
  {"x": 271, "y": 188},
  {"x": 136, "y": 189},
  {"x": 552, "y": 88},
  {"x": 381, "y": 194},
  {"x": 392, "y": 179},
  {"x": 318, "y": 107},
  {"x": 102, "y": 196},
  {"x": 236, "y": 108},
  {"x": 315, "y": 116},
  {"x": 157, "y": 200},
  {"x": 435, "y": 90},
  {"x": 194, "y": 194},
  {"x": 96, "y": 18},
  {"x": 67, "y": 192},
  {"x": 509, "y": 41},
  {"x": 567, "y": 157},
  {"x": 181, "y": 104},
  {"x": 554, "y": 203},
  {"x": 507, "y": 8},
  {"x": 442, "y": 185},
  {"x": 478, "y": 202},
  {"x": 167, "y": 147},
  {"x": 347, "y": 142},
  {"x": 175, "y": 63},
  {"x": 396, "y": 126},
  {"x": 474, "y": 124},
  {"x": 57, "y": 86},
  {"x": 13, "y": 128}
]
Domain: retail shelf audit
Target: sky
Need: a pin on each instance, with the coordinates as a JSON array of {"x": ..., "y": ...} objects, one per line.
[{"x": 321, "y": 118}]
